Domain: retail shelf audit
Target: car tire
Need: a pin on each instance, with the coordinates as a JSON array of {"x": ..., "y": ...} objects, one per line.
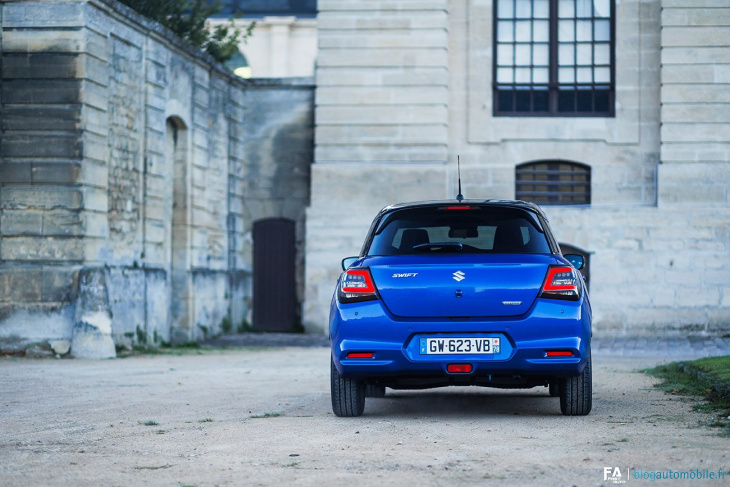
[
  {"x": 554, "y": 388},
  {"x": 576, "y": 393},
  {"x": 348, "y": 395},
  {"x": 374, "y": 390}
]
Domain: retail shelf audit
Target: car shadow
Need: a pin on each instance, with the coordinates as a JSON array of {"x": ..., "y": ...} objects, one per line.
[{"x": 444, "y": 403}]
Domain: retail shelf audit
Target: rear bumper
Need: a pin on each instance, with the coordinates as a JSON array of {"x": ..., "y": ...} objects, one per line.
[{"x": 522, "y": 360}]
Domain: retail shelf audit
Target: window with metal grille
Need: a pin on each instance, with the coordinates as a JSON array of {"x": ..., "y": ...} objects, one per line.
[
  {"x": 553, "y": 183},
  {"x": 554, "y": 58}
]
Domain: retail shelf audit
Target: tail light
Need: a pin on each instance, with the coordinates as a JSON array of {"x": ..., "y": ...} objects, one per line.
[
  {"x": 561, "y": 283},
  {"x": 356, "y": 285}
]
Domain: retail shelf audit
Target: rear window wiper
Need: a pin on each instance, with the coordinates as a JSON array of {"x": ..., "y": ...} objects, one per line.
[{"x": 434, "y": 245}]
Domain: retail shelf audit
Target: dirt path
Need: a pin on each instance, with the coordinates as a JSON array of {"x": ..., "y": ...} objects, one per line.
[{"x": 263, "y": 417}]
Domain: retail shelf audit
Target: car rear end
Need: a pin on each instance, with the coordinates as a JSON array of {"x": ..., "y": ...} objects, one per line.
[{"x": 468, "y": 294}]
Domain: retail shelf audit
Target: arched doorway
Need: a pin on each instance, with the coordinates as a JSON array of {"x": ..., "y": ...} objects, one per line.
[{"x": 274, "y": 279}]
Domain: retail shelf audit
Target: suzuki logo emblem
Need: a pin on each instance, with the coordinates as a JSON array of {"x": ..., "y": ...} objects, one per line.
[{"x": 459, "y": 276}]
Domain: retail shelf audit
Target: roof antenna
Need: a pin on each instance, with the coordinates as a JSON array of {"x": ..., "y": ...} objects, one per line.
[{"x": 459, "y": 196}]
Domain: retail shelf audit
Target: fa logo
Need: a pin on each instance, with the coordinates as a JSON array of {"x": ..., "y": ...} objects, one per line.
[{"x": 613, "y": 474}]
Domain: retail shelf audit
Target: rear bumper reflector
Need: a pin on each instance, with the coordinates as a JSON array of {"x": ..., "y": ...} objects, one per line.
[
  {"x": 360, "y": 355},
  {"x": 558, "y": 353}
]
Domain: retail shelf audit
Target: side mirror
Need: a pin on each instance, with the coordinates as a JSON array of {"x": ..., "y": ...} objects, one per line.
[
  {"x": 575, "y": 260},
  {"x": 347, "y": 262}
]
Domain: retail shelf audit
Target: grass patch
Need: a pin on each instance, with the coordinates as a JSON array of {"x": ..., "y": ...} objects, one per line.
[
  {"x": 206, "y": 420},
  {"x": 151, "y": 423},
  {"x": 267, "y": 415},
  {"x": 717, "y": 367},
  {"x": 708, "y": 378},
  {"x": 186, "y": 349},
  {"x": 153, "y": 468}
]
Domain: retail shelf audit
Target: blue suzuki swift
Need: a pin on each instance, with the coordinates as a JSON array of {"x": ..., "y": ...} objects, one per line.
[{"x": 465, "y": 293}]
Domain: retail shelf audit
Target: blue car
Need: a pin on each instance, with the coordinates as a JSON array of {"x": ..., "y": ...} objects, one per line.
[{"x": 465, "y": 293}]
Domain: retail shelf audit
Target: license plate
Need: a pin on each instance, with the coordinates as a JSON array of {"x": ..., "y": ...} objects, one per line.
[{"x": 459, "y": 346}]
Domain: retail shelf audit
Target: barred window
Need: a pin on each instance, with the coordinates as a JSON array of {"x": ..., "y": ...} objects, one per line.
[
  {"x": 554, "y": 58},
  {"x": 553, "y": 183}
]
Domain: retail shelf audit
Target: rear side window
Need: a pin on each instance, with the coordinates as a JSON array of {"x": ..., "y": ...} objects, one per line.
[{"x": 483, "y": 230}]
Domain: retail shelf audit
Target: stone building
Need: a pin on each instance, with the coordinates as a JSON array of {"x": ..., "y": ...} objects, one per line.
[
  {"x": 149, "y": 194},
  {"x": 135, "y": 173},
  {"x": 285, "y": 44},
  {"x": 615, "y": 115}
]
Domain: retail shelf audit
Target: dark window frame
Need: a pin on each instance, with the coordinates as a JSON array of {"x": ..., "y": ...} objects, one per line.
[
  {"x": 557, "y": 185},
  {"x": 553, "y": 89}
]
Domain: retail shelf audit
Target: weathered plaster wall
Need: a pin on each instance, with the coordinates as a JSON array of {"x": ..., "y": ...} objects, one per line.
[{"x": 125, "y": 149}]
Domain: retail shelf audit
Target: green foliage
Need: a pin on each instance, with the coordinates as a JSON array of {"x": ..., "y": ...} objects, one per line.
[
  {"x": 141, "y": 336},
  {"x": 187, "y": 19},
  {"x": 226, "y": 325},
  {"x": 245, "y": 326}
]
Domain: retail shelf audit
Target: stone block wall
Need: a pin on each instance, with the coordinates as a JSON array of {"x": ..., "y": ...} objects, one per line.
[
  {"x": 125, "y": 149},
  {"x": 393, "y": 116},
  {"x": 695, "y": 67},
  {"x": 44, "y": 185},
  {"x": 653, "y": 270},
  {"x": 382, "y": 77}
]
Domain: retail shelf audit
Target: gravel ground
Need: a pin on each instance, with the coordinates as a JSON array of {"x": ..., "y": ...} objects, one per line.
[{"x": 262, "y": 417}]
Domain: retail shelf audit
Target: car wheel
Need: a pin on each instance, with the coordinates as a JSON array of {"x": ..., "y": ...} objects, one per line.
[
  {"x": 348, "y": 396},
  {"x": 374, "y": 390},
  {"x": 554, "y": 388},
  {"x": 576, "y": 393}
]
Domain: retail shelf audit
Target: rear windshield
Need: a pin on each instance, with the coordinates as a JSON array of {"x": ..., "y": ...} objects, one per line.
[{"x": 482, "y": 230}]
